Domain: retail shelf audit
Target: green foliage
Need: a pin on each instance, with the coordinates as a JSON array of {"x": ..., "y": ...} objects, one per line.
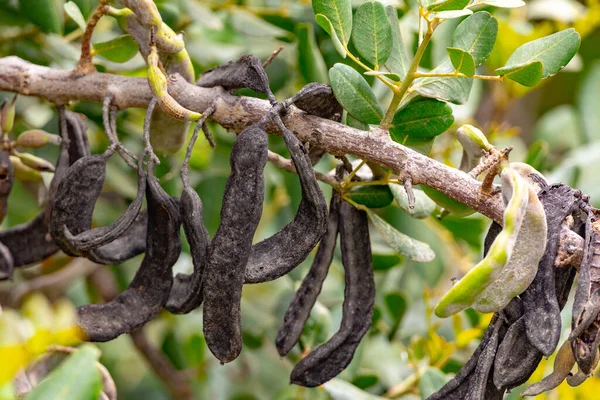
[
  {"x": 119, "y": 50},
  {"x": 372, "y": 196},
  {"x": 354, "y": 94},
  {"x": 47, "y": 14},
  {"x": 372, "y": 33}
]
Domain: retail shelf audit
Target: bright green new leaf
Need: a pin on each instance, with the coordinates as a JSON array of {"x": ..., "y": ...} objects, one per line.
[
  {"x": 339, "y": 13},
  {"x": 47, "y": 14},
  {"x": 326, "y": 24},
  {"x": 118, "y": 50},
  {"x": 372, "y": 33},
  {"x": 553, "y": 51},
  {"x": 74, "y": 12},
  {"x": 395, "y": 304},
  {"x": 504, "y": 3},
  {"x": 310, "y": 61},
  {"x": 526, "y": 74},
  {"x": 448, "y": 5},
  {"x": 391, "y": 75},
  {"x": 372, "y": 196},
  {"x": 354, "y": 94},
  {"x": 476, "y": 35},
  {"x": 403, "y": 244},
  {"x": 421, "y": 118},
  {"x": 398, "y": 60},
  {"x": 76, "y": 378},
  {"x": 455, "y": 90},
  {"x": 424, "y": 206},
  {"x": 462, "y": 60}
]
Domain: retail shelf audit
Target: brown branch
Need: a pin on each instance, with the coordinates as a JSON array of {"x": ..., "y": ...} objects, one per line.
[{"x": 237, "y": 112}]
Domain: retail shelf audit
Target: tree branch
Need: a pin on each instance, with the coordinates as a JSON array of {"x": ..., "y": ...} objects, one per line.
[{"x": 237, "y": 112}]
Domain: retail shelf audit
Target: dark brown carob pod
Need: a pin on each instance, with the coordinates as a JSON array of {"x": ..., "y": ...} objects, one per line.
[
  {"x": 7, "y": 177},
  {"x": 231, "y": 245},
  {"x": 245, "y": 72},
  {"x": 76, "y": 128},
  {"x": 301, "y": 305},
  {"x": 148, "y": 291},
  {"x": 542, "y": 312},
  {"x": 130, "y": 244},
  {"x": 7, "y": 264},
  {"x": 318, "y": 99},
  {"x": 297, "y": 239},
  {"x": 328, "y": 360}
]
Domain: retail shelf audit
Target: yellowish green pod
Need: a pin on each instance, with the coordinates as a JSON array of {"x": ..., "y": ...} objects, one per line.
[
  {"x": 25, "y": 173},
  {"x": 7, "y": 115}
]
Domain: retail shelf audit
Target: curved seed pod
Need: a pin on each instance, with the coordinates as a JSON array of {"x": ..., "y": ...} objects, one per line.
[
  {"x": 318, "y": 99},
  {"x": 145, "y": 11},
  {"x": 148, "y": 291},
  {"x": 75, "y": 198},
  {"x": 37, "y": 163},
  {"x": 23, "y": 172},
  {"x": 473, "y": 285},
  {"x": 299, "y": 309},
  {"x": 6, "y": 263},
  {"x": 97, "y": 237},
  {"x": 328, "y": 360},
  {"x": 563, "y": 363},
  {"x": 482, "y": 376},
  {"x": 36, "y": 138},
  {"x": 231, "y": 245},
  {"x": 128, "y": 245},
  {"x": 7, "y": 177},
  {"x": 76, "y": 128},
  {"x": 297, "y": 239},
  {"x": 245, "y": 72},
  {"x": 542, "y": 312},
  {"x": 186, "y": 293},
  {"x": 581, "y": 376}
]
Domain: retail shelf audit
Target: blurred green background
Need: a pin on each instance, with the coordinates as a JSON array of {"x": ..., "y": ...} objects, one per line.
[{"x": 408, "y": 352}]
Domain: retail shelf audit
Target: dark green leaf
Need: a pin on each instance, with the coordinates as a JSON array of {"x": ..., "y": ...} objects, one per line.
[
  {"x": 372, "y": 196},
  {"x": 421, "y": 118},
  {"x": 395, "y": 304},
  {"x": 372, "y": 33},
  {"x": 354, "y": 94},
  {"x": 398, "y": 60},
  {"x": 383, "y": 262},
  {"x": 431, "y": 381},
  {"x": 476, "y": 35},
  {"x": 462, "y": 61},
  {"x": 118, "y": 50},
  {"x": 47, "y": 14},
  {"x": 74, "y": 12},
  {"x": 448, "y": 5},
  {"x": 403, "y": 244},
  {"x": 553, "y": 51},
  {"x": 365, "y": 381},
  {"x": 76, "y": 378},
  {"x": 310, "y": 61},
  {"x": 526, "y": 74},
  {"x": 454, "y": 90},
  {"x": 339, "y": 13}
]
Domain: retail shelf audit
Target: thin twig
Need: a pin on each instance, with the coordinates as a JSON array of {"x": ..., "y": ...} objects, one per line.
[
  {"x": 85, "y": 65},
  {"x": 288, "y": 165},
  {"x": 272, "y": 57}
]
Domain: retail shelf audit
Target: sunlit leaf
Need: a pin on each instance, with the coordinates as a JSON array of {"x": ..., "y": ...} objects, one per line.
[
  {"x": 462, "y": 61},
  {"x": 529, "y": 74},
  {"x": 448, "y": 5},
  {"x": 354, "y": 94},
  {"x": 403, "y": 244},
  {"x": 372, "y": 33}
]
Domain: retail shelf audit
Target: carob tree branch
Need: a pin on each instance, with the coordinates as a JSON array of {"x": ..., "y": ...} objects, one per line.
[{"x": 237, "y": 112}]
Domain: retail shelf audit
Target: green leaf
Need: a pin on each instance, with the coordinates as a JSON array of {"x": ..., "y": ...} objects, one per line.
[
  {"x": 372, "y": 196},
  {"x": 47, "y": 14},
  {"x": 339, "y": 13},
  {"x": 504, "y": 3},
  {"x": 451, "y": 89},
  {"x": 391, "y": 75},
  {"x": 86, "y": 6},
  {"x": 403, "y": 244},
  {"x": 395, "y": 304},
  {"x": 553, "y": 51},
  {"x": 398, "y": 60},
  {"x": 194, "y": 349},
  {"x": 118, "y": 50},
  {"x": 453, "y": 206},
  {"x": 448, "y": 5},
  {"x": 431, "y": 381},
  {"x": 421, "y": 118},
  {"x": 588, "y": 102},
  {"x": 526, "y": 74},
  {"x": 339, "y": 389},
  {"x": 247, "y": 23},
  {"x": 310, "y": 61},
  {"x": 74, "y": 12},
  {"x": 462, "y": 60},
  {"x": 365, "y": 381},
  {"x": 453, "y": 14},
  {"x": 326, "y": 24},
  {"x": 537, "y": 153},
  {"x": 76, "y": 378},
  {"x": 424, "y": 206},
  {"x": 383, "y": 262},
  {"x": 354, "y": 123},
  {"x": 354, "y": 94},
  {"x": 476, "y": 35},
  {"x": 372, "y": 33}
]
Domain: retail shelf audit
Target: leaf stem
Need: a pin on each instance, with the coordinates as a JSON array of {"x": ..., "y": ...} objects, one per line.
[
  {"x": 351, "y": 174},
  {"x": 383, "y": 79},
  {"x": 458, "y": 75}
]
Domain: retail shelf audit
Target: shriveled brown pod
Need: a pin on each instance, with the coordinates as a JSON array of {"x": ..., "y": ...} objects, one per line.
[
  {"x": 563, "y": 363},
  {"x": 303, "y": 301},
  {"x": 7, "y": 176},
  {"x": 318, "y": 99},
  {"x": 148, "y": 291},
  {"x": 297, "y": 239},
  {"x": 224, "y": 273},
  {"x": 328, "y": 360}
]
